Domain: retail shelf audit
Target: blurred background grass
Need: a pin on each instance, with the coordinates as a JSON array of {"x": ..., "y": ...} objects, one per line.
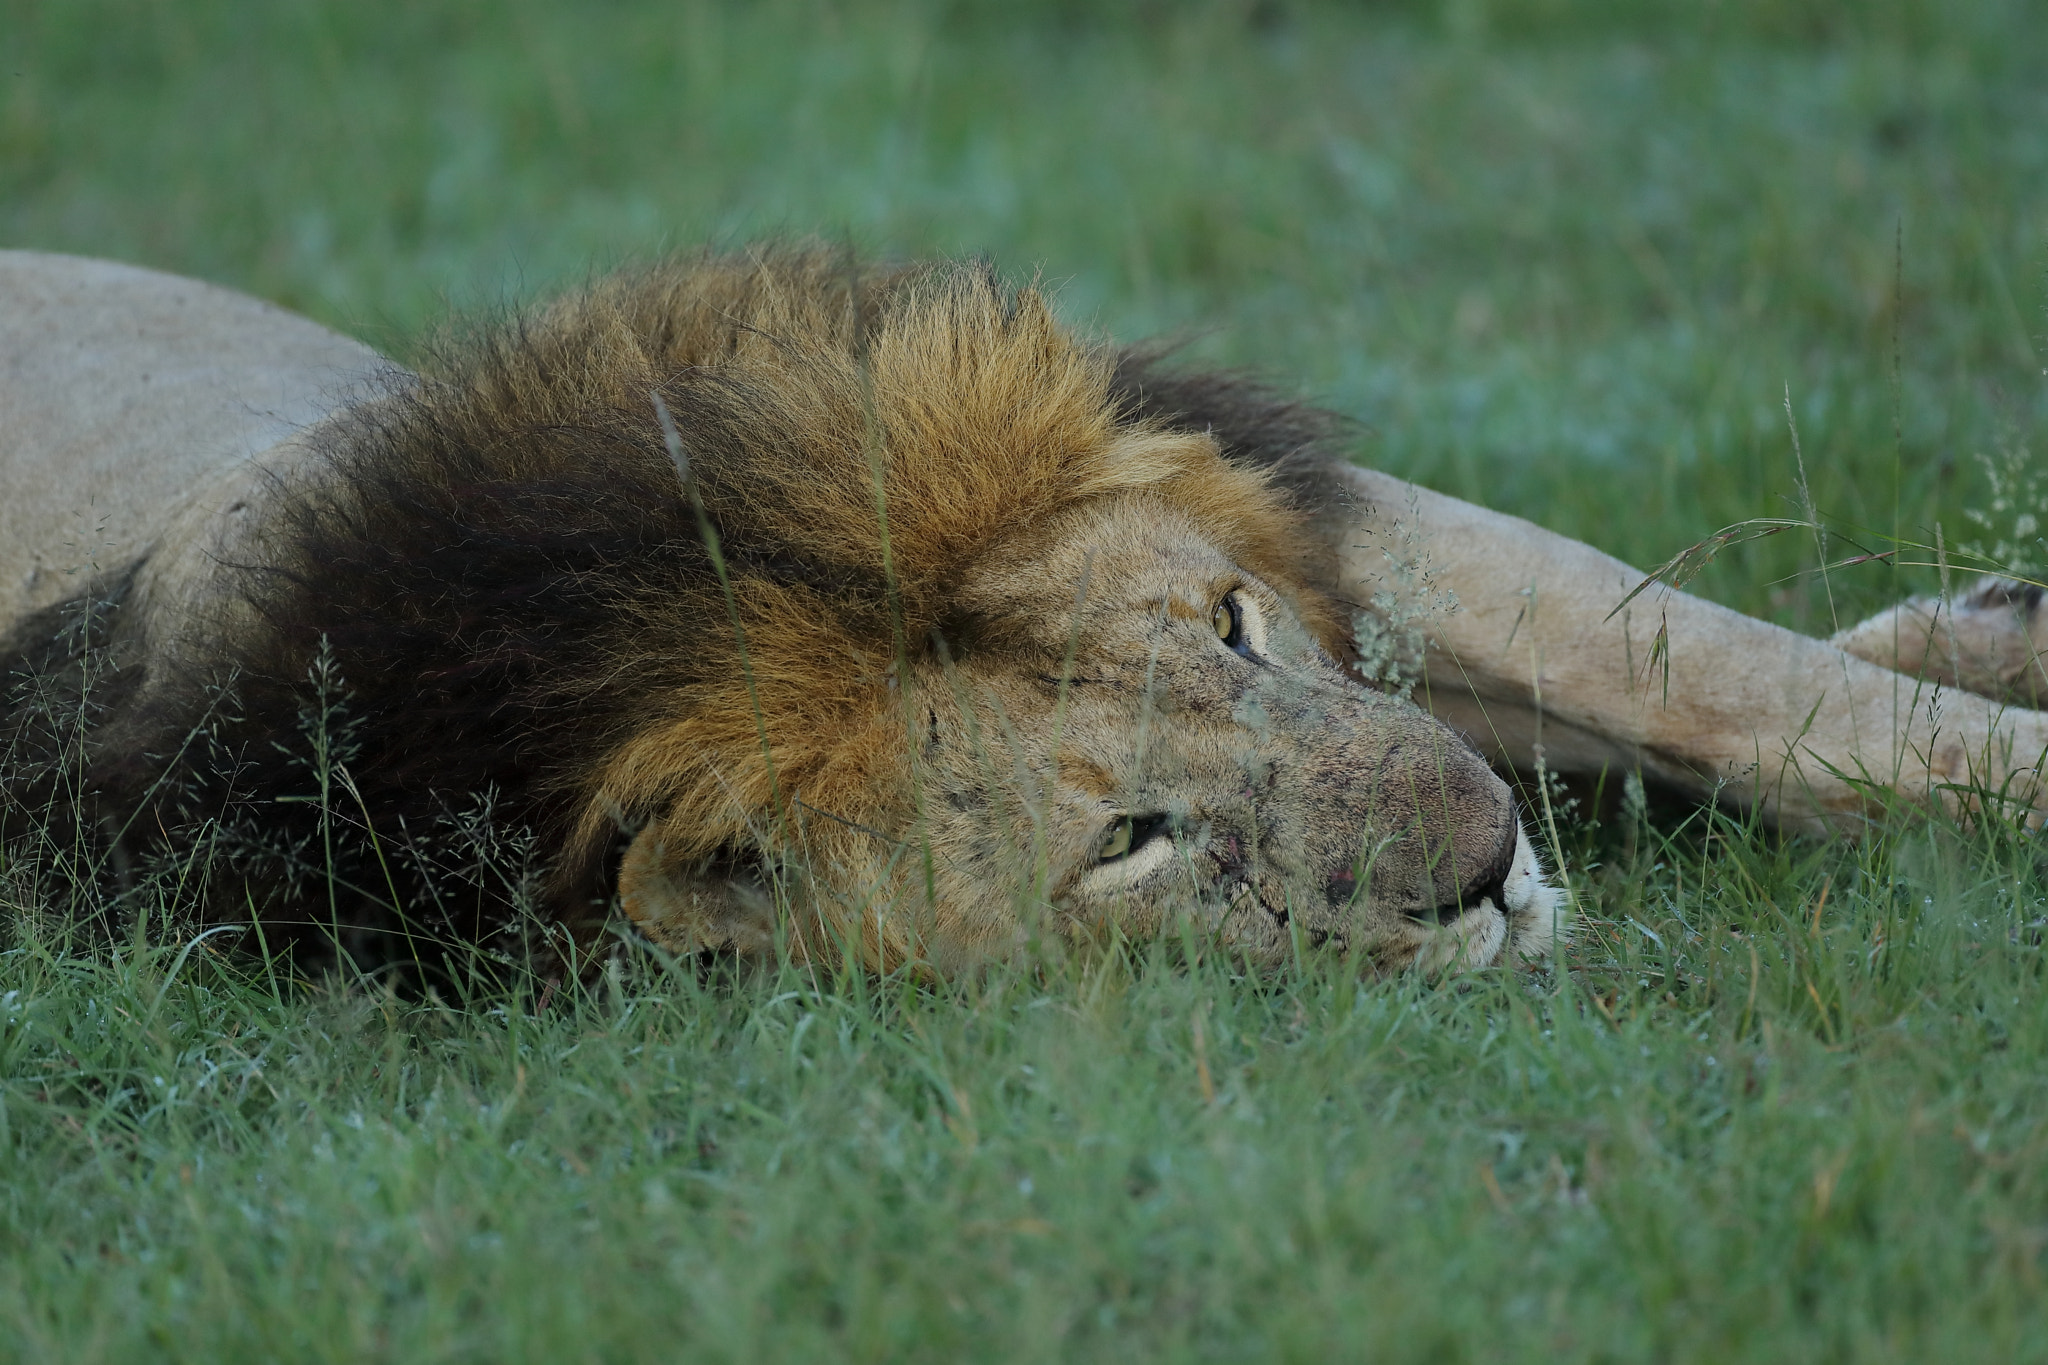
[{"x": 1566, "y": 257}]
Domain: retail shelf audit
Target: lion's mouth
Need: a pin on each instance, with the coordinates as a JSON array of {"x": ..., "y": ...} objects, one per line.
[
  {"x": 1522, "y": 916},
  {"x": 1514, "y": 914},
  {"x": 1518, "y": 916}
]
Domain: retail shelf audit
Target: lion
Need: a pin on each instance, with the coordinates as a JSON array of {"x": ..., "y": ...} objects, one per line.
[{"x": 776, "y": 601}]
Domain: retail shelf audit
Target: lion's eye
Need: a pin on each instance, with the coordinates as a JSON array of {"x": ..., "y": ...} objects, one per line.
[
  {"x": 1128, "y": 835},
  {"x": 1228, "y": 619}
]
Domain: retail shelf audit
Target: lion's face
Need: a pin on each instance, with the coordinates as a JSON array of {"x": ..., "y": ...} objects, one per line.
[
  {"x": 1134, "y": 729},
  {"x": 1020, "y": 658}
]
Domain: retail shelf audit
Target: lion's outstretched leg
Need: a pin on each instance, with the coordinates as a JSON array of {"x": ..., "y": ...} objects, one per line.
[
  {"x": 1989, "y": 641},
  {"x": 1536, "y": 662}
]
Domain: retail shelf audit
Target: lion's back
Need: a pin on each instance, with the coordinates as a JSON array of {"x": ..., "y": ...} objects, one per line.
[{"x": 128, "y": 396}]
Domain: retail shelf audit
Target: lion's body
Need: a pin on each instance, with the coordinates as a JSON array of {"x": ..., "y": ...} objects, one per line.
[
  {"x": 882, "y": 585},
  {"x": 952, "y": 623},
  {"x": 131, "y": 397}
]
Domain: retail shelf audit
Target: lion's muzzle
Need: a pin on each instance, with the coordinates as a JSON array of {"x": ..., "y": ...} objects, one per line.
[
  {"x": 1487, "y": 883},
  {"x": 1423, "y": 856}
]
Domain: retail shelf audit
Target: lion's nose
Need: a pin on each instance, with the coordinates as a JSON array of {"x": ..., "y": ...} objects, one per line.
[{"x": 1488, "y": 882}]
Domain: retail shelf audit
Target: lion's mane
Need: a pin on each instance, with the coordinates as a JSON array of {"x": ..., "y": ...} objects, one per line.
[{"x": 499, "y": 574}]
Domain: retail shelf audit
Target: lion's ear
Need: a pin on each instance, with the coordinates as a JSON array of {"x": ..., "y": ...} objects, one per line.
[{"x": 711, "y": 905}]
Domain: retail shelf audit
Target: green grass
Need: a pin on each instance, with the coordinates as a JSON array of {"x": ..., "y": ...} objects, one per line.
[{"x": 1566, "y": 257}]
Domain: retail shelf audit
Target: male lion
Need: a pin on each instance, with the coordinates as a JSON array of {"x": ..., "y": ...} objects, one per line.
[{"x": 874, "y": 582}]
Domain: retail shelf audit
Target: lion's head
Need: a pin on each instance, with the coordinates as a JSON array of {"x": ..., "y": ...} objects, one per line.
[
  {"x": 880, "y": 584},
  {"x": 1088, "y": 679}
]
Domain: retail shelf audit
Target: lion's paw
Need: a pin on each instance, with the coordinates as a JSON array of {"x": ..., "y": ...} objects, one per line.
[{"x": 1990, "y": 640}]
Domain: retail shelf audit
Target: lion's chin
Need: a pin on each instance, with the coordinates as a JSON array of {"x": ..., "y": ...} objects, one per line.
[{"x": 1474, "y": 939}]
